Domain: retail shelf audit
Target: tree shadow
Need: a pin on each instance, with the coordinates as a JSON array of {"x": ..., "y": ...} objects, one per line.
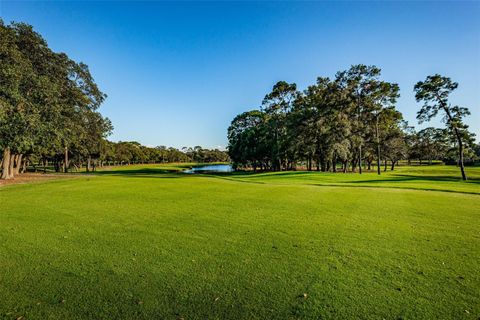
[
  {"x": 401, "y": 187},
  {"x": 355, "y": 181},
  {"x": 143, "y": 172},
  {"x": 474, "y": 180},
  {"x": 158, "y": 173}
]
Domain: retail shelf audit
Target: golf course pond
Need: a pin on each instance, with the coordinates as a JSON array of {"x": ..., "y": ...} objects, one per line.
[{"x": 211, "y": 168}]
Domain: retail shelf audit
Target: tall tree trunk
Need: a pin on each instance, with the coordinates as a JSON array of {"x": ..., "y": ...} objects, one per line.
[
  {"x": 460, "y": 154},
  {"x": 459, "y": 139},
  {"x": 276, "y": 155},
  {"x": 378, "y": 147},
  {"x": 360, "y": 144},
  {"x": 18, "y": 164},
  {"x": 323, "y": 165},
  {"x": 6, "y": 164},
  {"x": 393, "y": 165},
  {"x": 385, "y": 165},
  {"x": 11, "y": 169},
  {"x": 65, "y": 160},
  {"x": 360, "y": 158},
  {"x": 24, "y": 165}
]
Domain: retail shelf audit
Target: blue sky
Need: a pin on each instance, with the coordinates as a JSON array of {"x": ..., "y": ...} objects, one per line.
[{"x": 176, "y": 73}]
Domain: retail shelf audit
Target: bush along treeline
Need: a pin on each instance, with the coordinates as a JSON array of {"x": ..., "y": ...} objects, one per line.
[
  {"x": 48, "y": 104},
  {"x": 349, "y": 123}
]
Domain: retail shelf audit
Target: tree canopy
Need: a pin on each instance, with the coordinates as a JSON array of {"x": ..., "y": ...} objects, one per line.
[
  {"x": 346, "y": 123},
  {"x": 48, "y": 102},
  {"x": 434, "y": 92}
]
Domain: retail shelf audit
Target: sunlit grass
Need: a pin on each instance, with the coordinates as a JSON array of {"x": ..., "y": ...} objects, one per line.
[{"x": 146, "y": 242}]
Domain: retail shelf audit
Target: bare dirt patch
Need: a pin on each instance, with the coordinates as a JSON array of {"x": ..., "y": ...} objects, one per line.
[{"x": 35, "y": 177}]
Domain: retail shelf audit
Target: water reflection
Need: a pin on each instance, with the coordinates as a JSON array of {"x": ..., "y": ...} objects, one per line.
[{"x": 210, "y": 168}]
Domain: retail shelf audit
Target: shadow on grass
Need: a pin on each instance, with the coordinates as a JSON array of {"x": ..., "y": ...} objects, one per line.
[
  {"x": 359, "y": 179},
  {"x": 346, "y": 185},
  {"x": 409, "y": 177},
  {"x": 157, "y": 173},
  {"x": 471, "y": 178},
  {"x": 144, "y": 172},
  {"x": 357, "y": 182}
]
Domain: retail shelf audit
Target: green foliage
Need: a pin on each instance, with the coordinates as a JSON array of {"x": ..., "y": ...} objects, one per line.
[
  {"x": 132, "y": 152},
  {"x": 327, "y": 124},
  {"x": 48, "y": 102},
  {"x": 434, "y": 92}
]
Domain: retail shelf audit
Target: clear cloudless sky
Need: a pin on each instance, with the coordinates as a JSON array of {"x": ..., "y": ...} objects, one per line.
[{"x": 176, "y": 73}]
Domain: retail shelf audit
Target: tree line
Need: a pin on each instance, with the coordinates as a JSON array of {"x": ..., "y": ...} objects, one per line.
[
  {"x": 127, "y": 153},
  {"x": 122, "y": 153},
  {"x": 49, "y": 113},
  {"x": 349, "y": 123}
]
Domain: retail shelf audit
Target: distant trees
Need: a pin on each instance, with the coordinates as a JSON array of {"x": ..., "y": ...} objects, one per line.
[
  {"x": 476, "y": 150},
  {"x": 199, "y": 154},
  {"x": 121, "y": 153},
  {"x": 431, "y": 144},
  {"x": 132, "y": 152},
  {"x": 346, "y": 123}
]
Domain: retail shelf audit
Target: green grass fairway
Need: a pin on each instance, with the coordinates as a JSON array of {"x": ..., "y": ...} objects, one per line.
[{"x": 146, "y": 243}]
